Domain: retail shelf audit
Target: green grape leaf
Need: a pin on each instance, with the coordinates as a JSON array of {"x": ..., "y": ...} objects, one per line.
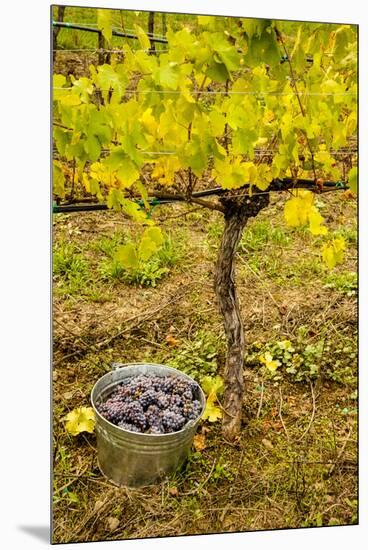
[
  {"x": 218, "y": 71},
  {"x": 92, "y": 147},
  {"x": 150, "y": 242},
  {"x": 127, "y": 256},
  {"x": 167, "y": 74},
  {"x": 114, "y": 199}
]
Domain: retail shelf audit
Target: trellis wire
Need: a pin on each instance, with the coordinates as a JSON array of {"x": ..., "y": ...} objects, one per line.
[
  {"x": 104, "y": 50},
  {"x": 260, "y": 152},
  {"x": 220, "y": 92}
]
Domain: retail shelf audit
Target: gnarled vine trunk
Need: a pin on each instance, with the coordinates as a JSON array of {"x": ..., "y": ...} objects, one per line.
[{"x": 236, "y": 217}]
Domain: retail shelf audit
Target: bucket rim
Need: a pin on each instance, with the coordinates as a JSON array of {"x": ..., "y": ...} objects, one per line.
[{"x": 189, "y": 425}]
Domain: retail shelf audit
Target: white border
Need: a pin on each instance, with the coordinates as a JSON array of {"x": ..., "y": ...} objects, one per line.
[{"x": 25, "y": 274}]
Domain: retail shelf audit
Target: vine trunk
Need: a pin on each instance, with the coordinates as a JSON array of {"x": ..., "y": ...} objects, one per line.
[{"x": 236, "y": 217}]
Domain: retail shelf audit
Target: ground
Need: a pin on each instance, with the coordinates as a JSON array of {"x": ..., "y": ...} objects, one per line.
[{"x": 295, "y": 464}]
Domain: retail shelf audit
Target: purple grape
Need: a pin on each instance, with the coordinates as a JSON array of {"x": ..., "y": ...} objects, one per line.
[{"x": 152, "y": 404}]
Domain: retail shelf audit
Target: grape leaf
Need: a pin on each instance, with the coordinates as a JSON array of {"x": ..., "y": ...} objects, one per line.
[
  {"x": 155, "y": 234},
  {"x": 104, "y": 23},
  {"x": 127, "y": 173},
  {"x": 79, "y": 420},
  {"x": 127, "y": 256},
  {"x": 212, "y": 413},
  {"x": 297, "y": 209},
  {"x": 333, "y": 252},
  {"x": 315, "y": 222},
  {"x": 142, "y": 37},
  {"x": 353, "y": 179},
  {"x": 58, "y": 180}
]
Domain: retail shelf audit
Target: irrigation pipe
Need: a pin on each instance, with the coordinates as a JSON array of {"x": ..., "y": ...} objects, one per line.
[{"x": 276, "y": 185}]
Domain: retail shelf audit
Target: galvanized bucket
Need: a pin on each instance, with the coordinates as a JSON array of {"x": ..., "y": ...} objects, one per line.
[{"x": 135, "y": 459}]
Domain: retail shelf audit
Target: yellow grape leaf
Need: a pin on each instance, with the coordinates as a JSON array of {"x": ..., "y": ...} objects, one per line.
[
  {"x": 142, "y": 37},
  {"x": 148, "y": 121},
  {"x": 80, "y": 420},
  {"x": 127, "y": 256},
  {"x": 58, "y": 180},
  {"x": 212, "y": 385},
  {"x": 104, "y": 23},
  {"x": 155, "y": 234},
  {"x": 333, "y": 252},
  {"x": 297, "y": 209},
  {"x": 270, "y": 363},
  {"x": 70, "y": 99},
  {"x": 264, "y": 177},
  {"x": 127, "y": 173},
  {"x": 146, "y": 248},
  {"x": 165, "y": 169},
  {"x": 353, "y": 179},
  {"x": 315, "y": 221},
  {"x": 212, "y": 413}
]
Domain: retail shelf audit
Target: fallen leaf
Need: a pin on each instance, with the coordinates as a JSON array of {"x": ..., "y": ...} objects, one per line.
[
  {"x": 282, "y": 309},
  {"x": 173, "y": 491},
  {"x": 68, "y": 395},
  {"x": 98, "y": 505},
  {"x": 80, "y": 420},
  {"x": 267, "y": 443},
  {"x": 199, "y": 442},
  {"x": 212, "y": 413},
  {"x": 171, "y": 340},
  {"x": 113, "y": 523}
]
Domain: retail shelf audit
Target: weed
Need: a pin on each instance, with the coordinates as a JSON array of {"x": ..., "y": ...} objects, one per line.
[
  {"x": 199, "y": 356},
  {"x": 303, "y": 361},
  {"x": 260, "y": 234},
  {"x": 147, "y": 272},
  {"x": 108, "y": 245},
  {"x": 346, "y": 282},
  {"x": 70, "y": 270}
]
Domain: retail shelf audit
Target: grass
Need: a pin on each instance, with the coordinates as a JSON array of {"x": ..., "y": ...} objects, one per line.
[{"x": 70, "y": 270}]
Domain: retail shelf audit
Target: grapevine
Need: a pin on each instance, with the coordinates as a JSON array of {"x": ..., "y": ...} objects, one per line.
[{"x": 197, "y": 115}]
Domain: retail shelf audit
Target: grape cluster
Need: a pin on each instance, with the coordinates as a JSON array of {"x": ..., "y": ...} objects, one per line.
[{"x": 152, "y": 404}]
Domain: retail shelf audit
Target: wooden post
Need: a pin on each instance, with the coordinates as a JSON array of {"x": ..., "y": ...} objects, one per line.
[
  {"x": 56, "y": 30},
  {"x": 151, "y": 29}
]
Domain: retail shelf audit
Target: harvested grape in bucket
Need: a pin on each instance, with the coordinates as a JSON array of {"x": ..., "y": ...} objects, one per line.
[{"x": 152, "y": 404}]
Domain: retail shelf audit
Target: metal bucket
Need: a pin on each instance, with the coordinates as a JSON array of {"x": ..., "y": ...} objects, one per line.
[{"x": 136, "y": 459}]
